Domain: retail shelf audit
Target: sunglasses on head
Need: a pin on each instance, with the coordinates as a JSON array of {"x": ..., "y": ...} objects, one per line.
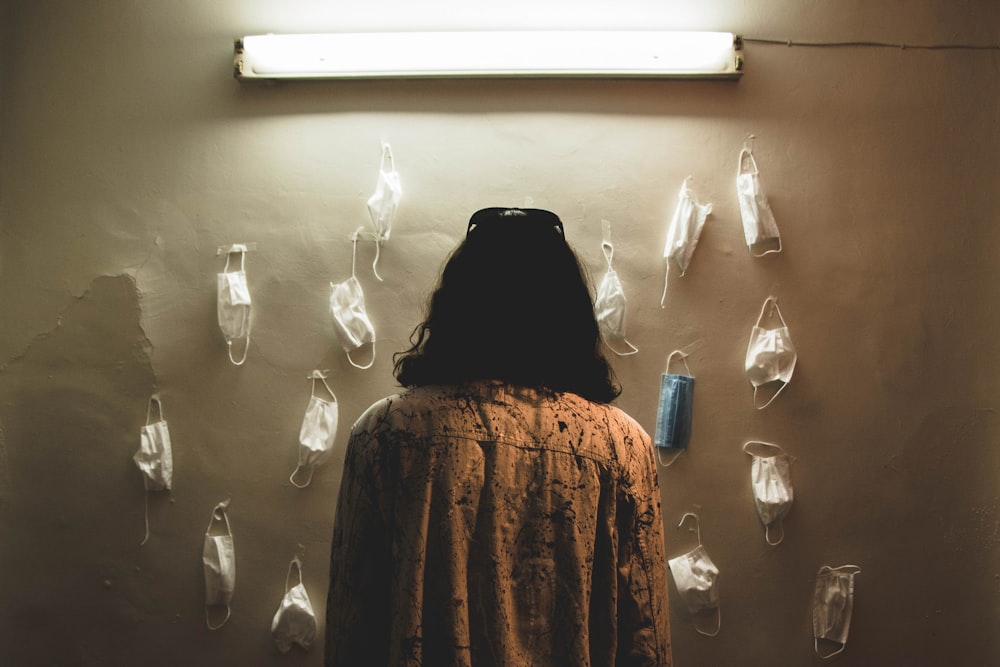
[{"x": 498, "y": 216}]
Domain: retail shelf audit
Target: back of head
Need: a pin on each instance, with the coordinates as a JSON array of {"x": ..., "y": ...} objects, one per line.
[{"x": 513, "y": 305}]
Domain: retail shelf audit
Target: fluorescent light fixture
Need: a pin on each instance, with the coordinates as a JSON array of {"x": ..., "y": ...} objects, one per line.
[{"x": 530, "y": 53}]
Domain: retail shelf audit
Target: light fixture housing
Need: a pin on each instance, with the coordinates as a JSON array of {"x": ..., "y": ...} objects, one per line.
[{"x": 491, "y": 53}]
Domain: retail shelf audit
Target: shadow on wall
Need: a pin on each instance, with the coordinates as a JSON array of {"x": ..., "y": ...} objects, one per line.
[{"x": 69, "y": 404}]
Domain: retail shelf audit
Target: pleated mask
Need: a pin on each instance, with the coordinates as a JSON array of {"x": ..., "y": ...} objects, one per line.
[
  {"x": 771, "y": 483},
  {"x": 218, "y": 558},
  {"x": 683, "y": 233},
  {"x": 759, "y": 227},
  {"x": 696, "y": 577},
  {"x": 233, "y": 304},
  {"x": 609, "y": 305},
  {"x": 318, "y": 431},
  {"x": 295, "y": 620}
]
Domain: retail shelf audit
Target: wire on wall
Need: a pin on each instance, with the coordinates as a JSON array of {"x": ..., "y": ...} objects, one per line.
[{"x": 877, "y": 45}]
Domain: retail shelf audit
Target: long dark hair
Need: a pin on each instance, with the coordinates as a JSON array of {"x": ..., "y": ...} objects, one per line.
[{"x": 512, "y": 304}]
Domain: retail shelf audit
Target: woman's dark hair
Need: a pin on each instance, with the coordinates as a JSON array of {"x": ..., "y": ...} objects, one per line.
[{"x": 512, "y": 305}]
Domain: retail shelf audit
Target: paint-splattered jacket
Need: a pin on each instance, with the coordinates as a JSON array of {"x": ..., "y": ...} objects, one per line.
[{"x": 488, "y": 525}]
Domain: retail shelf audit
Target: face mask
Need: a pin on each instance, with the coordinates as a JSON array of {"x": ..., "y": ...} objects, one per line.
[
  {"x": 383, "y": 203},
  {"x": 233, "y": 304},
  {"x": 759, "y": 228},
  {"x": 770, "y": 354},
  {"x": 771, "y": 482},
  {"x": 609, "y": 306},
  {"x": 696, "y": 575},
  {"x": 833, "y": 601},
  {"x": 294, "y": 622},
  {"x": 673, "y": 413},
  {"x": 683, "y": 233},
  {"x": 319, "y": 427},
  {"x": 347, "y": 304},
  {"x": 219, "y": 562},
  {"x": 154, "y": 457}
]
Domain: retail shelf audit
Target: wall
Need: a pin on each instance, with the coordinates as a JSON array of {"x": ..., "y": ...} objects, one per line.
[{"x": 129, "y": 154}]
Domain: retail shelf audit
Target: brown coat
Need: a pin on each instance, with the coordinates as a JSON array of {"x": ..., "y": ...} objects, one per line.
[{"x": 489, "y": 525}]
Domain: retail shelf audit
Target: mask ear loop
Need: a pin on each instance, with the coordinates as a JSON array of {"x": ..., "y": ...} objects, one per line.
[
  {"x": 387, "y": 159},
  {"x": 297, "y": 564},
  {"x": 816, "y": 639},
  {"x": 354, "y": 256},
  {"x": 760, "y": 442},
  {"x": 697, "y": 524},
  {"x": 767, "y": 527},
  {"x": 718, "y": 624},
  {"x": 366, "y": 366},
  {"x": 246, "y": 311},
  {"x": 145, "y": 479},
  {"x": 767, "y": 535},
  {"x": 308, "y": 481},
  {"x": 747, "y": 151},
  {"x": 321, "y": 376},
  {"x": 666, "y": 279},
  {"x": 659, "y": 457},
  {"x": 229, "y": 531},
  {"x": 354, "y": 251},
  {"x": 683, "y": 357},
  {"x": 774, "y": 302},
  {"x": 718, "y": 610},
  {"x": 378, "y": 251},
  {"x": 768, "y": 252},
  {"x": 770, "y": 400},
  {"x": 633, "y": 349}
]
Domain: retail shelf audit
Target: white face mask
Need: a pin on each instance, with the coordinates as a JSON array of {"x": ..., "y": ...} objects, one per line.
[
  {"x": 233, "y": 304},
  {"x": 154, "y": 456},
  {"x": 384, "y": 201},
  {"x": 771, "y": 355},
  {"x": 347, "y": 305},
  {"x": 609, "y": 306},
  {"x": 319, "y": 428},
  {"x": 759, "y": 227},
  {"x": 833, "y": 601},
  {"x": 219, "y": 563},
  {"x": 771, "y": 482},
  {"x": 683, "y": 233},
  {"x": 696, "y": 578},
  {"x": 295, "y": 621}
]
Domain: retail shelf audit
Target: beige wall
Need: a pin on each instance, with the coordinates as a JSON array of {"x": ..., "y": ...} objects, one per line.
[{"x": 129, "y": 153}]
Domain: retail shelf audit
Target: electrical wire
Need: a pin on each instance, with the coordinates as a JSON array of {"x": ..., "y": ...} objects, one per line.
[{"x": 877, "y": 45}]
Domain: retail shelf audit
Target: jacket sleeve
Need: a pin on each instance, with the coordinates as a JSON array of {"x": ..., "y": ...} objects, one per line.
[
  {"x": 357, "y": 605},
  {"x": 643, "y": 620}
]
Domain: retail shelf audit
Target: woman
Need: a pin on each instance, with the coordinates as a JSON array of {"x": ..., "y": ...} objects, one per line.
[{"x": 500, "y": 512}]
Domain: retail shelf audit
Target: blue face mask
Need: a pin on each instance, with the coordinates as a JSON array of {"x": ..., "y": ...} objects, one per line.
[{"x": 673, "y": 414}]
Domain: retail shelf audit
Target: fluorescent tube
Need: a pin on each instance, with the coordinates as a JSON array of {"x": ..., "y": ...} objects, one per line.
[{"x": 542, "y": 53}]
